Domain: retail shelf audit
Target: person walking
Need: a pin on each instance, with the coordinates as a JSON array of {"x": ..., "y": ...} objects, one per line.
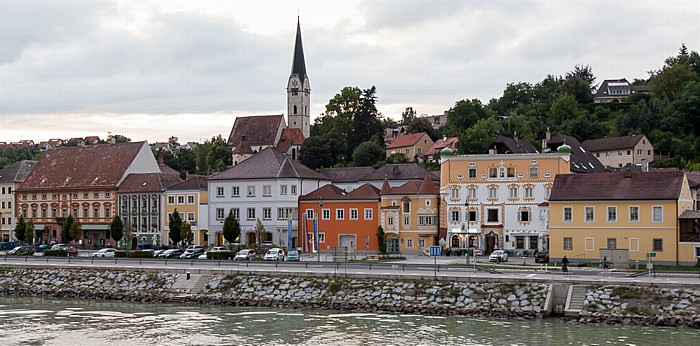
[{"x": 565, "y": 264}]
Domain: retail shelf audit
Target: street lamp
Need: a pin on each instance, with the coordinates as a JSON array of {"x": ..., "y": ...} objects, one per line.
[
  {"x": 466, "y": 208},
  {"x": 318, "y": 226}
]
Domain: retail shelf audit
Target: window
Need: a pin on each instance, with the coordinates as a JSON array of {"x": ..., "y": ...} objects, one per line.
[
  {"x": 493, "y": 172},
  {"x": 309, "y": 214},
  {"x": 219, "y": 213},
  {"x": 524, "y": 216},
  {"x": 267, "y": 213},
  {"x": 454, "y": 193},
  {"x": 85, "y": 195},
  {"x": 43, "y": 196},
  {"x": 406, "y": 220},
  {"x": 590, "y": 214},
  {"x": 340, "y": 214},
  {"x": 639, "y": 151},
  {"x": 471, "y": 192},
  {"x": 283, "y": 189},
  {"x": 235, "y": 191},
  {"x": 511, "y": 172},
  {"x": 96, "y": 195},
  {"x": 421, "y": 242},
  {"x": 53, "y": 212},
  {"x": 408, "y": 151},
  {"x": 649, "y": 152},
  {"x": 236, "y": 213},
  {"x": 409, "y": 242},
  {"x": 353, "y": 214},
  {"x": 326, "y": 214},
  {"x": 519, "y": 242},
  {"x": 219, "y": 191},
  {"x": 634, "y": 214},
  {"x": 43, "y": 212},
  {"x": 180, "y": 199},
  {"x": 390, "y": 221},
  {"x": 107, "y": 195},
  {"x": 612, "y": 214},
  {"x": 85, "y": 212},
  {"x": 533, "y": 172},
  {"x": 280, "y": 213},
  {"x": 171, "y": 199},
  {"x": 321, "y": 237},
  {"x": 251, "y": 191},
  {"x": 657, "y": 245},
  {"x": 493, "y": 192},
  {"x": 629, "y": 152},
  {"x": 108, "y": 213},
  {"x": 568, "y": 243},
  {"x": 547, "y": 191},
  {"x": 513, "y": 192},
  {"x": 619, "y": 153},
  {"x": 529, "y": 192},
  {"x": 657, "y": 213},
  {"x": 190, "y": 199},
  {"x": 454, "y": 215},
  {"x": 426, "y": 220},
  {"x": 294, "y": 189},
  {"x": 472, "y": 173},
  {"x": 471, "y": 216},
  {"x": 251, "y": 213},
  {"x": 568, "y": 214},
  {"x": 407, "y": 207},
  {"x": 190, "y": 217},
  {"x": 612, "y": 243},
  {"x": 368, "y": 214},
  {"x": 267, "y": 190},
  {"x": 95, "y": 212},
  {"x": 492, "y": 215}
]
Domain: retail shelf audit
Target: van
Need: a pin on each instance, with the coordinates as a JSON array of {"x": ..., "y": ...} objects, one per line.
[{"x": 274, "y": 254}]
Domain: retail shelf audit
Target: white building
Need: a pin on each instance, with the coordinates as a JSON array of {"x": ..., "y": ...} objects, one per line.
[{"x": 11, "y": 178}]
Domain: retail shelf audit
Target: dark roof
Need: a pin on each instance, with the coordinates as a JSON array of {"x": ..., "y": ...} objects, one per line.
[
  {"x": 612, "y": 143},
  {"x": 582, "y": 161},
  {"x": 17, "y": 172},
  {"x": 603, "y": 88},
  {"x": 268, "y": 163},
  {"x": 347, "y": 174},
  {"x": 407, "y": 188},
  {"x": 196, "y": 182},
  {"x": 653, "y": 185},
  {"x": 289, "y": 137},
  {"x": 257, "y": 130},
  {"x": 298, "y": 64},
  {"x": 693, "y": 179},
  {"x": 441, "y": 144},
  {"x": 165, "y": 169},
  {"x": 147, "y": 182},
  {"x": 406, "y": 140},
  {"x": 507, "y": 145},
  {"x": 99, "y": 165},
  {"x": 400, "y": 171},
  {"x": 331, "y": 192}
]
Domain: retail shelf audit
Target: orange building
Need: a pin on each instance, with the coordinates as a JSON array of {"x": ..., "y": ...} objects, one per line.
[{"x": 348, "y": 220}]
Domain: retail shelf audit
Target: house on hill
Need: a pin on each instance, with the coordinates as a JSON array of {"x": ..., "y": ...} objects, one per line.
[
  {"x": 617, "y": 90},
  {"x": 412, "y": 146},
  {"x": 619, "y": 151}
]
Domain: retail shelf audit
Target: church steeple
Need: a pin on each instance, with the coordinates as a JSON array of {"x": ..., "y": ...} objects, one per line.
[{"x": 299, "y": 90}]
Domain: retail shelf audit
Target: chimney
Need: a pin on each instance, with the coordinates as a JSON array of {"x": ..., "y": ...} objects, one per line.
[
  {"x": 547, "y": 135},
  {"x": 161, "y": 160},
  {"x": 515, "y": 136},
  {"x": 183, "y": 175},
  {"x": 444, "y": 138},
  {"x": 492, "y": 151}
]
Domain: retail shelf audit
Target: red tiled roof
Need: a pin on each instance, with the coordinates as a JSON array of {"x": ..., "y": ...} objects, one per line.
[
  {"x": 652, "y": 185},
  {"x": 141, "y": 182},
  {"x": 441, "y": 144},
  {"x": 258, "y": 130},
  {"x": 406, "y": 140},
  {"x": 100, "y": 165},
  {"x": 331, "y": 192},
  {"x": 612, "y": 143},
  {"x": 289, "y": 137},
  {"x": 408, "y": 188},
  {"x": 427, "y": 187}
]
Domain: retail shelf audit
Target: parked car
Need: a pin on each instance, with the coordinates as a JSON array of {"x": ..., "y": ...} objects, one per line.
[
  {"x": 203, "y": 256},
  {"x": 41, "y": 247},
  {"x": 59, "y": 246},
  {"x": 146, "y": 247},
  {"x": 218, "y": 249},
  {"x": 195, "y": 247},
  {"x": 106, "y": 252},
  {"x": 192, "y": 253},
  {"x": 498, "y": 256},
  {"x": 293, "y": 255},
  {"x": 22, "y": 251},
  {"x": 7, "y": 245},
  {"x": 245, "y": 255},
  {"x": 274, "y": 254},
  {"x": 72, "y": 252},
  {"x": 156, "y": 253},
  {"x": 170, "y": 253},
  {"x": 542, "y": 257}
]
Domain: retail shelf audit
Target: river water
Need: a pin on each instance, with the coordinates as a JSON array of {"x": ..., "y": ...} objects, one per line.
[{"x": 48, "y": 321}]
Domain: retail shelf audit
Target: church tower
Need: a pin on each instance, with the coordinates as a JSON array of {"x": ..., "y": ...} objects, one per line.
[{"x": 299, "y": 91}]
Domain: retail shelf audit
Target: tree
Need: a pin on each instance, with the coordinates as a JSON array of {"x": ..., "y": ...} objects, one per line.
[
  {"x": 76, "y": 230},
  {"x": 563, "y": 109},
  {"x": 585, "y": 73},
  {"x": 20, "y": 229},
  {"x": 691, "y": 59},
  {"x": 29, "y": 232},
  {"x": 408, "y": 115},
  {"x": 260, "y": 232},
  {"x": 367, "y": 154},
  {"x": 65, "y": 229},
  {"x": 339, "y": 113},
  {"x": 327, "y": 150},
  {"x": 186, "y": 233},
  {"x": 476, "y": 139},
  {"x": 670, "y": 81},
  {"x": 175, "y": 225},
  {"x": 464, "y": 114},
  {"x": 186, "y": 161},
  {"x": 220, "y": 155},
  {"x": 116, "y": 228},
  {"x": 422, "y": 125},
  {"x": 118, "y": 139},
  {"x": 578, "y": 88},
  {"x": 381, "y": 240},
  {"x": 366, "y": 123},
  {"x": 232, "y": 229}
]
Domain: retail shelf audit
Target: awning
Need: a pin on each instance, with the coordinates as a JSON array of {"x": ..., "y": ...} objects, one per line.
[
  {"x": 95, "y": 227},
  {"x": 690, "y": 214}
]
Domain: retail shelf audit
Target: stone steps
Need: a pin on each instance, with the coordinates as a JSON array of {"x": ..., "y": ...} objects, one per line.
[
  {"x": 202, "y": 281},
  {"x": 575, "y": 299}
]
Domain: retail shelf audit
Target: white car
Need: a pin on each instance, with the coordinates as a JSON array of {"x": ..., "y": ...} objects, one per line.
[
  {"x": 106, "y": 252},
  {"x": 274, "y": 254},
  {"x": 245, "y": 255},
  {"x": 498, "y": 256}
]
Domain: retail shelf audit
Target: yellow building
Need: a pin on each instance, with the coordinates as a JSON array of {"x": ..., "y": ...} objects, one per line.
[
  {"x": 190, "y": 199},
  {"x": 413, "y": 146},
  {"x": 409, "y": 215},
  {"x": 633, "y": 211}
]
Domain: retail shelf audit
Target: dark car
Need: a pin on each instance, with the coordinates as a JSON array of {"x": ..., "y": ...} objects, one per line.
[
  {"x": 41, "y": 247},
  {"x": 192, "y": 253},
  {"x": 22, "y": 251},
  {"x": 171, "y": 253},
  {"x": 542, "y": 257}
]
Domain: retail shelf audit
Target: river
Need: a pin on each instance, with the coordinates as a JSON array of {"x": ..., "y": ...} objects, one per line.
[{"x": 48, "y": 321}]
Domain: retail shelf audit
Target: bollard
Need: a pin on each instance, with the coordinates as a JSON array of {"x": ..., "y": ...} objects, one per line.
[
  {"x": 524, "y": 259},
  {"x": 188, "y": 275},
  {"x": 636, "y": 265}
]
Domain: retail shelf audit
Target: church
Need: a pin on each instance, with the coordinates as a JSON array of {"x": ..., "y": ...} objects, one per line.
[{"x": 252, "y": 134}]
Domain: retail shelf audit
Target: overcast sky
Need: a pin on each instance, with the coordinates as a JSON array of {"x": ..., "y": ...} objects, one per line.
[{"x": 151, "y": 69}]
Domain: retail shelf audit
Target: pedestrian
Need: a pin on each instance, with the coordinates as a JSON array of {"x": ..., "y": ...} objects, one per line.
[
  {"x": 565, "y": 263},
  {"x": 605, "y": 262}
]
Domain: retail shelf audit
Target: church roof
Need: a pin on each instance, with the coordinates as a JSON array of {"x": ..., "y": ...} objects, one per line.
[
  {"x": 298, "y": 64},
  {"x": 256, "y": 130},
  {"x": 289, "y": 137}
]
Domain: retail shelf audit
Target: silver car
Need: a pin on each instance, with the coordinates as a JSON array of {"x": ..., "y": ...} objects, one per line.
[{"x": 498, "y": 256}]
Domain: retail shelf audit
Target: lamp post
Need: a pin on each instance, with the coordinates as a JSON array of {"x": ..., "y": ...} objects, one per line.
[
  {"x": 316, "y": 240},
  {"x": 466, "y": 208}
]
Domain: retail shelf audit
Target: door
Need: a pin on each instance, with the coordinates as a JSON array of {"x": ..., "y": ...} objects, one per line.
[
  {"x": 490, "y": 243},
  {"x": 95, "y": 239}
]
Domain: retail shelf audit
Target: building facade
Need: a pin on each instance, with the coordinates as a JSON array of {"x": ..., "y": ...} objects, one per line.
[
  {"x": 190, "y": 200},
  {"x": 617, "y": 152},
  {"x": 412, "y": 146},
  {"x": 10, "y": 179}
]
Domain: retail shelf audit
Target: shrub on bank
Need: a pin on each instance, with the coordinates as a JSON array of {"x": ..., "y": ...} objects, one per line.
[{"x": 56, "y": 253}]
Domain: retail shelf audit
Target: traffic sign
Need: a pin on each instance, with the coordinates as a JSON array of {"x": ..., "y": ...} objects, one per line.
[
  {"x": 434, "y": 251},
  {"x": 651, "y": 254}
]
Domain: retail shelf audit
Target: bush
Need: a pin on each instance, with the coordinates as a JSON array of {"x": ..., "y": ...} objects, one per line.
[
  {"x": 121, "y": 253},
  {"x": 56, "y": 253},
  {"x": 133, "y": 254},
  {"x": 222, "y": 255}
]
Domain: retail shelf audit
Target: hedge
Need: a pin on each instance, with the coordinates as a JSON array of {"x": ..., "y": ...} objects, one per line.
[
  {"x": 133, "y": 254},
  {"x": 220, "y": 255},
  {"x": 56, "y": 253}
]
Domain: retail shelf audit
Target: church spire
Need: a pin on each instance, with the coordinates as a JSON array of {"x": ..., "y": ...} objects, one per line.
[
  {"x": 299, "y": 90},
  {"x": 298, "y": 64}
]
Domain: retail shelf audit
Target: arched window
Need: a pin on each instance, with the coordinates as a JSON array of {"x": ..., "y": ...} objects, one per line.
[{"x": 295, "y": 109}]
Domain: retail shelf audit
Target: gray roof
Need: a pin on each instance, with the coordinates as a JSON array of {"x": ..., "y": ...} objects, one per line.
[
  {"x": 17, "y": 172},
  {"x": 582, "y": 161},
  {"x": 401, "y": 171},
  {"x": 508, "y": 145},
  {"x": 652, "y": 185},
  {"x": 268, "y": 164},
  {"x": 298, "y": 64},
  {"x": 347, "y": 174}
]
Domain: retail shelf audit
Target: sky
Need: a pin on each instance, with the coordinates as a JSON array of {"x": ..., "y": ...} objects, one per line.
[{"x": 149, "y": 70}]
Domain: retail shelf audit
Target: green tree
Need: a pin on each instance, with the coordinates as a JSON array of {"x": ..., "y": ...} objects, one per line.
[
  {"x": 231, "y": 229},
  {"x": 76, "y": 230},
  {"x": 464, "y": 114},
  {"x": 476, "y": 139},
  {"x": 584, "y": 72},
  {"x": 367, "y": 154},
  {"x": 327, "y": 150},
  {"x": 408, "y": 116},
  {"x": 260, "y": 232},
  {"x": 564, "y": 108},
  {"x": 65, "y": 229},
  {"x": 175, "y": 225},
  {"x": 220, "y": 155},
  {"x": 381, "y": 239},
  {"x": 201, "y": 152},
  {"x": 339, "y": 114},
  {"x": 118, "y": 139},
  {"x": 116, "y": 228},
  {"x": 670, "y": 81},
  {"x": 366, "y": 123},
  {"x": 186, "y": 233},
  {"x": 20, "y": 229},
  {"x": 691, "y": 59},
  {"x": 578, "y": 88},
  {"x": 422, "y": 125},
  {"x": 187, "y": 161},
  {"x": 29, "y": 232}
]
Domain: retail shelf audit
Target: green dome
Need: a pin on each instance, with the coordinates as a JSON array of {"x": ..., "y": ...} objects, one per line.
[
  {"x": 446, "y": 151},
  {"x": 564, "y": 149}
]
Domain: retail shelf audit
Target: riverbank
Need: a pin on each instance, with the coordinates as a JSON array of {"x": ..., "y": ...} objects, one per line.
[{"x": 643, "y": 305}]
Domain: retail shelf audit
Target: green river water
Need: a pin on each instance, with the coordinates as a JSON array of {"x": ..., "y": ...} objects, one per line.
[{"x": 47, "y": 321}]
